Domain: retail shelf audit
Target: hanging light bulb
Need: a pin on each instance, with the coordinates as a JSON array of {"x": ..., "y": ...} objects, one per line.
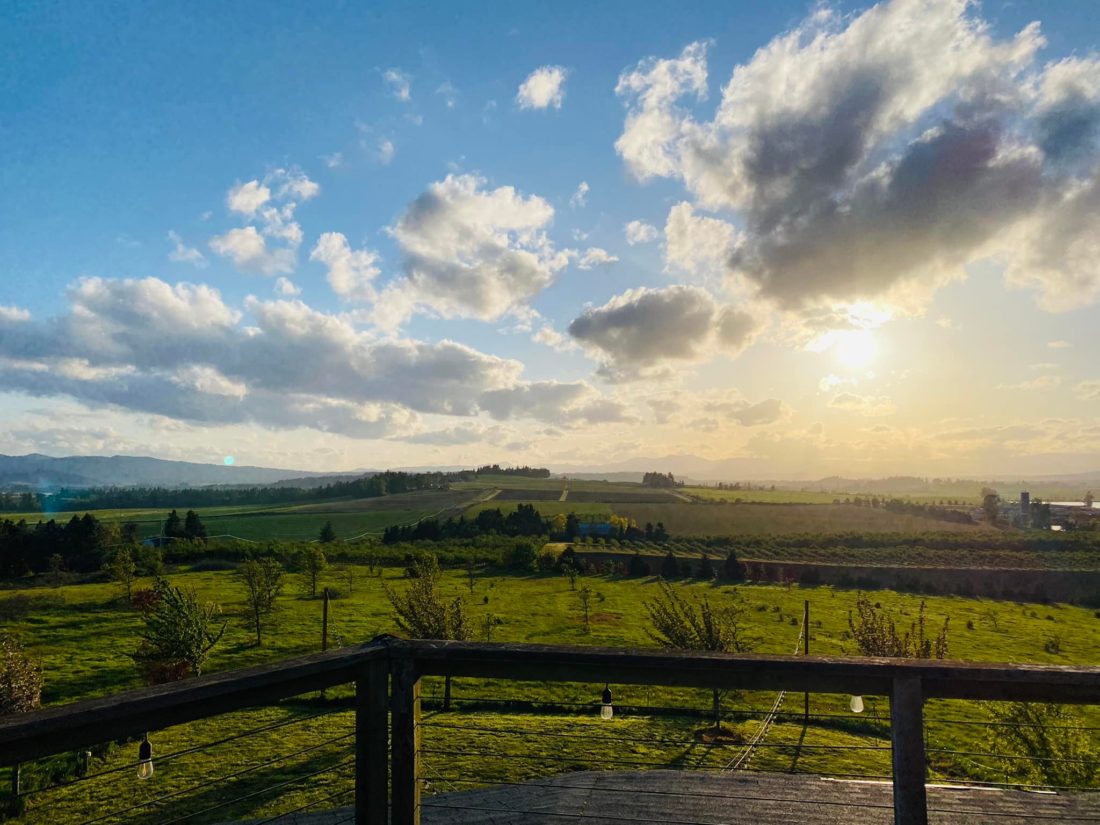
[
  {"x": 606, "y": 710},
  {"x": 856, "y": 704},
  {"x": 145, "y": 759}
]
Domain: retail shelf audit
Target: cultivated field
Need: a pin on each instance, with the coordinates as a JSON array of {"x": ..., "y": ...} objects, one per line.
[{"x": 684, "y": 519}]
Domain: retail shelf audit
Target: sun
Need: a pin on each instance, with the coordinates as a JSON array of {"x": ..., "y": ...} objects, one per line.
[{"x": 855, "y": 348}]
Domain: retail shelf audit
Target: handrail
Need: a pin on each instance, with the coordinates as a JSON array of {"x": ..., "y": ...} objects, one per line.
[
  {"x": 941, "y": 679},
  {"x": 89, "y": 722}
]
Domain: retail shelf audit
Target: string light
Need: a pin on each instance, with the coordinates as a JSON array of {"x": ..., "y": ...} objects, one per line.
[
  {"x": 606, "y": 709},
  {"x": 145, "y": 759},
  {"x": 856, "y": 704}
]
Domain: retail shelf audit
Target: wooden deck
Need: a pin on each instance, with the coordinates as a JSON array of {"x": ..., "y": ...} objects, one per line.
[{"x": 700, "y": 798}]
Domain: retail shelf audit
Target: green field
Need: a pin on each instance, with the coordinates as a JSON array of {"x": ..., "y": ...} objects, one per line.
[
  {"x": 731, "y": 519},
  {"x": 84, "y": 639},
  {"x": 816, "y": 496}
]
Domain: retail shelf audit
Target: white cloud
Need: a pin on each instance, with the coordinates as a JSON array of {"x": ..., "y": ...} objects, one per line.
[
  {"x": 246, "y": 198},
  {"x": 638, "y": 232},
  {"x": 385, "y": 151},
  {"x": 636, "y": 334},
  {"x": 543, "y": 88},
  {"x": 873, "y": 156},
  {"x": 286, "y": 288},
  {"x": 399, "y": 84},
  {"x": 183, "y": 254},
  {"x": 449, "y": 94},
  {"x": 1088, "y": 390},
  {"x": 747, "y": 414},
  {"x": 1059, "y": 345},
  {"x": 550, "y": 337},
  {"x": 271, "y": 204},
  {"x": 333, "y": 161},
  {"x": 13, "y": 314},
  {"x": 595, "y": 256},
  {"x": 350, "y": 272},
  {"x": 1038, "y": 384},
  {"x": 870, "y": 406},
  {"x": 248, "y": 250},
  {"x": 580, "y": 198},
  {"x": 695, "y": 244},
  {"x": 471, "y": 252}
]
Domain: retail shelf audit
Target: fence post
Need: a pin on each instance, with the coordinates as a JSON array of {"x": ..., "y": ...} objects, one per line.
[
  {"x": 907, "y": 742},
  {"x": 405, "y": 747},
  {"x": 806, "y": 652},
  {"x": 372, "y": 743}
]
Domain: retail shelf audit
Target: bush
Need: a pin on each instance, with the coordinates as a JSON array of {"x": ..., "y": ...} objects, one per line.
[{"x": 522, "y": 557}]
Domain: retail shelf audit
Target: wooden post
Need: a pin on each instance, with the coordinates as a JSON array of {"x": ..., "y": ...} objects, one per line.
[
  {"x": 405, "y": 743},
  {"x": 907, "y": 741},
  {"x": 324, "y": 620},
  {"x": 806, "y": 652},
  {"x": 372, "y": 743}
]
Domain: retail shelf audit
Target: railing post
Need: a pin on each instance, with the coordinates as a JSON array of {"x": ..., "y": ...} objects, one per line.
[
  {"x": 371, "y": 743},
  {"x": 907, "y": 741},
  {"x": 405, "y": 747}
]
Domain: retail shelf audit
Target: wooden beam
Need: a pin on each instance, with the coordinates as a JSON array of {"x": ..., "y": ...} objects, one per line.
[
  {"x": 372, "y": 743},
  {"x": 122, "y": 715},
  {"x": 907, "y": 744},
  {"x": 405, "y": 743},
  {"x": 817, "y": 674}
]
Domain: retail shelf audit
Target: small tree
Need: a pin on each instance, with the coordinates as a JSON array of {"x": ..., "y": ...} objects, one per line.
[
  {"x": 471, "y": 575},
  {"x": 1051, "y": 737},
  {"x": 585, "y": 597},
  {"x": 20, "y": 678},
  {"x": 423, "y": 613},
  {"x": 874, "y": 632},
  {"x": 180, "y": 631},
  {"x": 121, "y": 568},
  {"x": 347, "y": 571},
  {"x": 732, "y": 568},
  {"x": 263, "y": 582},
  {"x": 991, "y": 504},
  {"x": 20, "y": 692},
  {"x": 173, "y": 526},
  {"x": 327, "y": 534},
  {"x": 1089, "y": 499},
  {"x": 678, "y": 622},
  {"x": 193, "y": 526},
  {"x": 313, "y": 563},
  {"x": 57, "y": 573},
  {"x": 570, "y": 572},
  {"x": 706, "y": 570},
  {"x": 670, "y": 568}
]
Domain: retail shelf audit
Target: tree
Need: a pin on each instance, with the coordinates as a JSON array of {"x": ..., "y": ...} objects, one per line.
[
  {"x": 670, "y": 568},
  {"x": 179, "y": 633},
  {"x": 263, "y": 582},
  {"x": 57, "y": 574},
  {"x": 173, "y": 526},
  {"x": 585, "y": 597},
  {"x": 193, "y": 526},
  {"x": 471, "y": 575},
  {"x": 706, "y": 570},
  {"x": 313, "y": 563},
  {"x": 570, "y": 571},
  {"x": 20, "y": 692},
  {"x": 638, "y": 566},
  {"x": 1089, "y": 499},
  {"x": 423, "y": 612},
  {"x": 327, "y": 534},
  {"x": 732, "y": 568},
  {"x": 991, "y": 504},
  {"x": 121, "y": 568},
  {"x": 1052, "y": 739},
  {"x": 876, "y": 635},
  {"x": 695, "y": 624}
]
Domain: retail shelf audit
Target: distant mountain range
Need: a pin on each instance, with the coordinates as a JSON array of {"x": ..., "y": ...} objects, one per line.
[{"x": 43, "y": 472}]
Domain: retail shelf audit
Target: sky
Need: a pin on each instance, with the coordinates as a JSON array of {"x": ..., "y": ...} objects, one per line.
[{"x": 805, "y": 239}]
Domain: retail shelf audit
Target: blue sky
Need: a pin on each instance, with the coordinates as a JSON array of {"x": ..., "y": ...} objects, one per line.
[{"x": 842, "y": 311}]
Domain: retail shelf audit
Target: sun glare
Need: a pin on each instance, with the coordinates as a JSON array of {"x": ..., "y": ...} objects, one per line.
[{"x": 855, "y": 349}]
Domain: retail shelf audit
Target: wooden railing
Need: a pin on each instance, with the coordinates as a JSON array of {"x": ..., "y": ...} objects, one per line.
[{"x": 387, "y": 674}]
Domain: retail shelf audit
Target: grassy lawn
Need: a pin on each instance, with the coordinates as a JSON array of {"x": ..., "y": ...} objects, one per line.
[{"x": 84, "y": 642}]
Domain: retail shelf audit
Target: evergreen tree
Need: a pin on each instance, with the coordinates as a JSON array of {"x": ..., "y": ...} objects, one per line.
[
  {"x": 173, "y": 526},
  {"x": 670, "y": 568},
  {"x": 638, "y": 566},
  {"x": 193, "y": 526},
  {"x": 706, "y": 571},
  {"x": 180, "y": 631},
  {"x": 328, "y": 534},
  {"x": 732, "y": 569}
]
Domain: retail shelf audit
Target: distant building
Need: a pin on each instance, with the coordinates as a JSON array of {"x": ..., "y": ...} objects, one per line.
[{"x": 596, "y": 528}]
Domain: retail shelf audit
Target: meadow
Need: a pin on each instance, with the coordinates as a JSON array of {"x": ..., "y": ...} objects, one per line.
[{"x": 83, "y": 635}]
